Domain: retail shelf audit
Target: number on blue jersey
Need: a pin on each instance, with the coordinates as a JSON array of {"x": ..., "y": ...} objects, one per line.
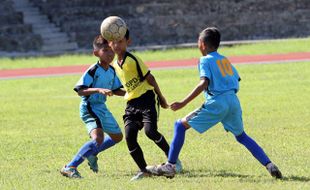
[{"x": 225, "y": 67}]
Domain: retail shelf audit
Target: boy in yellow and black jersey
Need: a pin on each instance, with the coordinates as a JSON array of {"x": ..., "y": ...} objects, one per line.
[{"x": 142, "y": 93}]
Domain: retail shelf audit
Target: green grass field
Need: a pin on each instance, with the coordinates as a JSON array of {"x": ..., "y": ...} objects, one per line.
[
  {"x": 271, "y": 47},
  {"x": 41, "y": 131}
]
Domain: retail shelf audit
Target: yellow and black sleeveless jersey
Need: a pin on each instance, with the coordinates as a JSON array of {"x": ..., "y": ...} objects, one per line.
[{"x": 132, "y": 73}]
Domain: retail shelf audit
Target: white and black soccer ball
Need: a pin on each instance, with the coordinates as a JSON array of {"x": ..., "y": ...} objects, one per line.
[{"x": 113, "y": 28}]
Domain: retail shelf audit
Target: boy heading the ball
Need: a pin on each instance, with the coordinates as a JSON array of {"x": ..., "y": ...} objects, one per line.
[
  {"x": 220, "y": 82},
  {"x": 98, "y": 81},
  {"x": 142, "y": 94}
]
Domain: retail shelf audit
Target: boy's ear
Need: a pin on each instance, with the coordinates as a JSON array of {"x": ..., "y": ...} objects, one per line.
[
  {"x": 95, "y": 53},
  {"x": 203, "y": 45},
  {"x": 129, "y": 41}
]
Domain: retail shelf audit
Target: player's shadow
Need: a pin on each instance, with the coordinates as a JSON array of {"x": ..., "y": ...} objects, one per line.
[
  {"x": 213, "y": 173},
  {"x": 296, "y": 178},
  {"x": 223, "y": 173}
]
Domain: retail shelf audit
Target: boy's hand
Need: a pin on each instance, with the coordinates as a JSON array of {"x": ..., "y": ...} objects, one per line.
[
  {"x": 106, "y": 92},
  {"x": 177, "y": 105},
  {"x": 163, "y": 103}
]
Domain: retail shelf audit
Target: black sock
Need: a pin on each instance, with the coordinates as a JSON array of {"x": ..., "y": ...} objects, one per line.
[
  {"x": 138, "y": 157},
  {"x": 163, "y": 144}
]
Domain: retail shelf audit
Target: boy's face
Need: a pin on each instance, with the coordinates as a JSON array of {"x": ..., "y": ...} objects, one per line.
[
  {"x": 202, "y": 47},
  {"x": 105, "y": 54},
  {"x": 119, "y": 47}
]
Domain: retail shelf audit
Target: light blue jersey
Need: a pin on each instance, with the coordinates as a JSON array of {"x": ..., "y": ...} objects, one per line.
[
  {"x": 222, "y": 104},
  {"x": 97, "y": 77},
  {"x": 93, "y": 110},
  {"x": 222, "y": 76}
]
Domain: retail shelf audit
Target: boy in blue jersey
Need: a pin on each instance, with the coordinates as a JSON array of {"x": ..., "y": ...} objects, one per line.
[
  {"x": 220, "y": 82},
  {"x": 97, "y": 82}
]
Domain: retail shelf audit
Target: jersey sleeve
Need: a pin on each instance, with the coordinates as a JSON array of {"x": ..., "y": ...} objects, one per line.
[
  {"x": 204, "y": 69},
  {"x": 236, "y": 74},
  {"x": 144, "y": 69},
  {"x": 85, "y": 82}
]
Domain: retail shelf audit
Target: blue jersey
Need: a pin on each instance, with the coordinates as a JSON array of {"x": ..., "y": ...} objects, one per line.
[
  {"x": 97, "y": 77},
  {"x": 222, "y": 76}
]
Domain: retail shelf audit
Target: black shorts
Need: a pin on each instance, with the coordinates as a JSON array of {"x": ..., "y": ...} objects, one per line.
[{"x": 142, "y": 110}]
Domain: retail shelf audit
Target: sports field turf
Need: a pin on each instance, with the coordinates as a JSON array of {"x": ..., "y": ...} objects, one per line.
[
  {"x": 40, "y": 131},
  {"x": 266, "y": 47}
]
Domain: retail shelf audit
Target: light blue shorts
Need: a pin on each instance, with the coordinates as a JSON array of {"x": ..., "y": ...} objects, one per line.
[
  {"x": 98, "y": 116},
  {"x": 222, "y": 108}
]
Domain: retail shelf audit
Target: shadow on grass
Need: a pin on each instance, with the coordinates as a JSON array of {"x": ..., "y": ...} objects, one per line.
[
  {"x": 225, "y": 174},
  {"x": 217, "y": 173},
  {"x": 220, "y": 173},
  {"x": 296, "y": 178}
]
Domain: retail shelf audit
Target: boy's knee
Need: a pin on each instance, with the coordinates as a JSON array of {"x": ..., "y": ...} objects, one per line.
[
  {"x": 98, "y": 139},
  {"x": 151, "y": 132},
  {"x": 131, "y": 133},
  {"x": 180, "y": 125},
  {"x": 97, "y": 135},
  {"x": 240, "y": 138},
  {"x": 117, "y": 138}
]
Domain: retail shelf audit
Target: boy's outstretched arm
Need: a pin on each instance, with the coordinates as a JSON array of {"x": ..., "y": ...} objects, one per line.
[
  {"x": 119, "y": 92},
  {"x": 89, "y": 91},
  {"x": 203, "y": 84},
  {"x": 151, "y": 80}
]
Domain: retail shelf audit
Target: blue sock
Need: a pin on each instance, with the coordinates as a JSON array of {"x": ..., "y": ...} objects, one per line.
[
  {"x": 177, "y": 142},
  {"x": 89, "y": 148},
  {"x": 107, "y": 143},
  {"x": 254, "y": 148}
]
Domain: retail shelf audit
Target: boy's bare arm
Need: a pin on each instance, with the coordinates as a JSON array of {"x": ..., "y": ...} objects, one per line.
[
  {"x": 90, "y": 91},
  {"x": 119, "y": 92},
  {"x": 151, "y": 80},
  {"x": 203, "y": 84}
]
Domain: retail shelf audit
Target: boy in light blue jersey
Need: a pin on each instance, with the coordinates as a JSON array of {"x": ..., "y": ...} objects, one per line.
[
  {"x": 98, "y": 82},
  {"x": 220, "y": 82}
]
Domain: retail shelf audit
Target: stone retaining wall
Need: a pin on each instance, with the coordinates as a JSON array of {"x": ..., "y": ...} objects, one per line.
[
  {"x": 163, "y": 22},
  {"x": 14, "y": 34}
]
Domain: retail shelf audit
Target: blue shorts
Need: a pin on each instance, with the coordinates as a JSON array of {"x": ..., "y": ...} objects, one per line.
[
  {"x": 98, "y": 116},
  {"x": 222, "y": 108}
]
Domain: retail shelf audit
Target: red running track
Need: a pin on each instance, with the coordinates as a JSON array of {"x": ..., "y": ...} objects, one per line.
[{"x": 78, "y": 69}]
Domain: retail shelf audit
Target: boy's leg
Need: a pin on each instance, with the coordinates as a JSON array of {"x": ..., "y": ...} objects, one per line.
[
  {"x": 233, "y": 123},
  {"x": 152, "y": 133},
  {"x": 200, "y": 120},
  {"x": 109, "y": 141},
  {"x": 254, "y": 148},
  {"x": 89, "y": 148},
  {"x": 131, "y": 135},
  {"x": 259, "y": 154},
  {"x": 177, "y": 141},
  {"x": 169, "y": 169},
  {"x": 161, "y": 142}
]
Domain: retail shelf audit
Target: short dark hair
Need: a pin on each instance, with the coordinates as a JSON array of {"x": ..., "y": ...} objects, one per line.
[
  {"x": 211, "y": 36},
  {"x": 99, "y": 42},
  {"x": 127, "y": 34}
]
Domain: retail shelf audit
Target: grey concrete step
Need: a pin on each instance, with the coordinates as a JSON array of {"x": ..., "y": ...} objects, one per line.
[
  {"x": 43, "y": 25},
  {"x": 54, "y": 40},
  {"x": 27, "y": 9},
  {"x": 60, "y": 47},
  {"x": 38, "y": 30},
  {"x": 36, "y": 19},
  {"x": 54, "y": 35}
]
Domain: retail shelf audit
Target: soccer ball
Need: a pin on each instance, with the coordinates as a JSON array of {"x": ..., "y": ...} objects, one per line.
[{"x": 113, "y": 28}]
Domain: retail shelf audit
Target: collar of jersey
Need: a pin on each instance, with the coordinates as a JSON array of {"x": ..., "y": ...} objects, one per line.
[
  {"x": 124, "y": 59},
  {"x": 103, "y": 67}
]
